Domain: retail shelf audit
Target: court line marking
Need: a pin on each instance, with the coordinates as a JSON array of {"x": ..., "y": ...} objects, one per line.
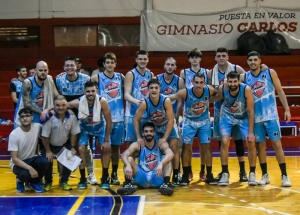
[
  {"x": 141, "y": 205},
  {"x": 282, "y": 188},
  {"x": 78, "y": 202},
  {"x": 222, "y": 205}
]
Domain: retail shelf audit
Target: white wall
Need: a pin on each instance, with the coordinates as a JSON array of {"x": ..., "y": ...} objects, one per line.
[{"x": 18, "y": 9}]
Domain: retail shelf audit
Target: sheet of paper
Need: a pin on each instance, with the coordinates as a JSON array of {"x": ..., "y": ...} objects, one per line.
[{"x": 71, "y": 162}]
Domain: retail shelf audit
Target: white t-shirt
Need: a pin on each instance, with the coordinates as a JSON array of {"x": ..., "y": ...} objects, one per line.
[{"x": 24, "y": 143}]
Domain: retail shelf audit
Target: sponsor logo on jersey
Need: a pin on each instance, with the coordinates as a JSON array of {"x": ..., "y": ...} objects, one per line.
[
  {"x": 221, "y": 81},
  {"x": 39, "y": 99},
  {"x": 234, "y": 108},
  {"x": 151, "y": 161},
  {"x": 157, "y": 117},
  {"x": 112, "y": 89},
  {"x": 258, "y": 88},
  {"x": 143, "y": 87},
  {"x": 168, "y": 91},
  {"x": 198, "y": 108}
]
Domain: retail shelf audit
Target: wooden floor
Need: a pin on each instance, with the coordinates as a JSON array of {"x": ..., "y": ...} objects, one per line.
[{"x": 197, "y": 198}]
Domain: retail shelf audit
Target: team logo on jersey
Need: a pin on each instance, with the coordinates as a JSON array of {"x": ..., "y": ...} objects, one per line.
[
  {"x": 112, "y": 89},
  {"x": 198, "y": 108},
  {"x": 39, "y": 99},
  {"x": 221, "y": 81},
  {"x": 151, "y": 161},
  {"x": 157, "y": 116},
  {"x": 167, "y": 91},
  {"x": 234, "y": 108},
  {"x": 143, "y": 87},
  {"x": 258, "y": 88}
]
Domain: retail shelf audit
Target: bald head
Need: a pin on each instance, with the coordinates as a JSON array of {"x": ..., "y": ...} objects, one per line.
[{"x": 42, "y": 70}]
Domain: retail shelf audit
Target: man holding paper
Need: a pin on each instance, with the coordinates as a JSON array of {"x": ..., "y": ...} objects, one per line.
[{"x": 58, "y": 132}]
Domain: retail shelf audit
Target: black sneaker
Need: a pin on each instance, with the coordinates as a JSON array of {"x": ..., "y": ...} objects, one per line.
[
  {"x": 105, "y": 183},
  {"x": 243, "y": 177},
  {"x": 218, "y": 176},
  {"x": 211, "y": 180},
  {"x": 114, "y": 179},
  {"x": 166, "y": 189},
  {"x": 175, "y": 181},
  {"x": 185, "y": 180},
  {"x": 127, "y": 189}
]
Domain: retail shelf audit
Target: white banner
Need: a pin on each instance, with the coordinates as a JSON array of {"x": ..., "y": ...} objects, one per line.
[{"x": 162, "y": 31}]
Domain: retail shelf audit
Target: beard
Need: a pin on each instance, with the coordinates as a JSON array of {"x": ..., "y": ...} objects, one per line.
[
  {"x": 233, "y": 88},
  {"x": 149, "y": 138},
  {"x": 41, "y": 79}
]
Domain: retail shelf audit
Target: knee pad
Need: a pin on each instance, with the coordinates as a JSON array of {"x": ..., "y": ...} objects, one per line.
[{"x": 239, "y": 148}]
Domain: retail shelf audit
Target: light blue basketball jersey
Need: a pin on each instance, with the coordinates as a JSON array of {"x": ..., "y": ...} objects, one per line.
[
  {"x": 112, "y": 90},
  {"x": 169, "y": 88},
  {"x": 157, "y": 113},
  {"x": 236, "y": 106},
  {"x": 263, "y": 91},
  {"x": 150, "y": 158},
  {"x": 197, "y": 108},
  {"x": 139, "y": 91},
  {"x": 189, "y": 75}
]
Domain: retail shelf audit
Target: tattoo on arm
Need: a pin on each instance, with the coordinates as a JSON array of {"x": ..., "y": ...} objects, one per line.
[{"x": 26, "y": 88}]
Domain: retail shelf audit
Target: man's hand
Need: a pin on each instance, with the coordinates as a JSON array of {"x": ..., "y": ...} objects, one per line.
[
  {"x": 159, "y": 170},
  {"x": 141, "y": 141},
  {"x": 33, "y": 173},
  {"x": 74, "y": 152},
  {"x": 128, "y": 172},
  {"x": 251, "y": 137},
  {"x": 106, "y": 147},
  {"x": 49, "y": 156},
  {"x": 71, "y": 112},
  {"x": 140, "y": 102},
  {"x": 161, "y": 141},
  {"x": 44, "y": 115},
  {"x": 287, "y": 115}
]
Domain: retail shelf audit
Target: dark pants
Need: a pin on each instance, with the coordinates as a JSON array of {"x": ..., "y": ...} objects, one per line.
[
  {"x": 65, "y": 171},
  {"x": 39, "y": 163}
]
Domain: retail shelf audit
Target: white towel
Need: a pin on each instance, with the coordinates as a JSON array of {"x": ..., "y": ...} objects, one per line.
[
  {"x": 214, "y": 76},
  {"x": 83, "y": 110},
  {"x": 48, "y": 92}
]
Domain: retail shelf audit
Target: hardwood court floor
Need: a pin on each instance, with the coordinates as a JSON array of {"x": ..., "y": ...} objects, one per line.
[{"x": 197, "y": 198}]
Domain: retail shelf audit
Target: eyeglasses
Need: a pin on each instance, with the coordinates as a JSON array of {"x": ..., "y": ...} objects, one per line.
[
  {"x": 223, "y": 56},
  {"x": 25, "y": 116},
  {"x": 170, "y": 64}
]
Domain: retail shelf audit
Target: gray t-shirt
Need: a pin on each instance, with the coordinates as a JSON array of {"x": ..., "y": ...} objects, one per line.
[
  {"x": 24, "y": 143},
  {"x": 58, "y": 131}
]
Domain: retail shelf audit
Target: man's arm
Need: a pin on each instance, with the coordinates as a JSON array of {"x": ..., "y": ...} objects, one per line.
[
  {"x": 73, "y": 104},
  {"x": 179, "y": 101},
  {"x": 94, "y": 78},
  {"x": 218, "y": 96},
  {"x": 250, "y": 110},
  {"x": 22, "y": 164},
  {"x": 168, "y": 153},
  {"x": 134, "y": 147},
  {"x": 128, "y": 88},
  {"x": 281, "y": 95},
  {"x": 170, "y": 124},
  {"x": 240, "y": 70},
  {"x": 136, "y": 121},
  {"x": 107, "y": 116},
  {"x": 26, "y": 88},
  {"x": 182, "y": 75},
  {"x": 13, "y": 93},
  {"x": 73, "y": 141},
  {"x": 209, "y": 77},
  {"x": 181, "y": 94}
]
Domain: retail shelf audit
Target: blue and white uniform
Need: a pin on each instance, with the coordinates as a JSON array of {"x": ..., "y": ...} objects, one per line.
[
  {"x": 16, "y": 86},
  {"x": 189, "y": 75},
  {"x": 158, "y": 116},
  {"x": 196, "y": 117},
  {"x": 148, "y": 161},
  {"x": 139, "y": 90},
  {"x": 88, "y": 127},
  {"x": 234, "y": 112},
  {"x": 265, "y": 109},
  {"x": 112, "y": 90}
]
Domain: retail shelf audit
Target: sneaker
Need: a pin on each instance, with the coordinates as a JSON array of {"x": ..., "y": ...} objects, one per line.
[
  {"x": 36, "y": 187},
  {"x": 27, "y": 186},
  {"x": 252, "y": 179},
  {"x": 20, "y": 186},
  {"x": 114, "y": 179},
  {"x": 105, "y": 183},
  {"x": 127, "y": 189},
  {"x": 179, "y": 176},
  {"x": 47, "y": 186},
  {"x": 42, "y": 182},
  {"x": 286, "y": 181},
  {"x": 165, "y": 189},
  {"x": 82, "y": 185},
  {"x": 211, "y": 180},
  {"x": 202, "y": 176},
  {"x": 91, "y": 179},
  {"x": 218, "y": 176},
  {"x": 185, "y": 181},
  {"x": 191, "y": 176},
  {"x": 65, "y": 186},
  {"x": 175, "y": 181},
  {"x": 224, "y": 180},
  {"x": 243, "y": 176},
  {"x": 264, "y": 180}
]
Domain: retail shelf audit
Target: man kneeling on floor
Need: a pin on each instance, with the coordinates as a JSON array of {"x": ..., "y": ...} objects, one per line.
[{"x": 154, "y": 167}]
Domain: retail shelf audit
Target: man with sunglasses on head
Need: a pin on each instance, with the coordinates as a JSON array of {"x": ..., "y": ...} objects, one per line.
[{"x": 25, "y": 162}]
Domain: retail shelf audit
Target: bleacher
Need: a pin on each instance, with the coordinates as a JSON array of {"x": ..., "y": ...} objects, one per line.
[{"x": 287, "y": 67}]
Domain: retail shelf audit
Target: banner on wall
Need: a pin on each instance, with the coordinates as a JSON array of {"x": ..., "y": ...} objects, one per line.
[{"x": 162, "y": 31}]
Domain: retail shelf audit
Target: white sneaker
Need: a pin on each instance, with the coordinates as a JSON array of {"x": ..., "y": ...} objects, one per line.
[
  {"x": 224, "y": 181},
  {"x": 264, "y": 180},
  {"x": 286, "y": 181},
  {"x": 252, "y": 179},
  {"x": 91, "y": 179}
]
